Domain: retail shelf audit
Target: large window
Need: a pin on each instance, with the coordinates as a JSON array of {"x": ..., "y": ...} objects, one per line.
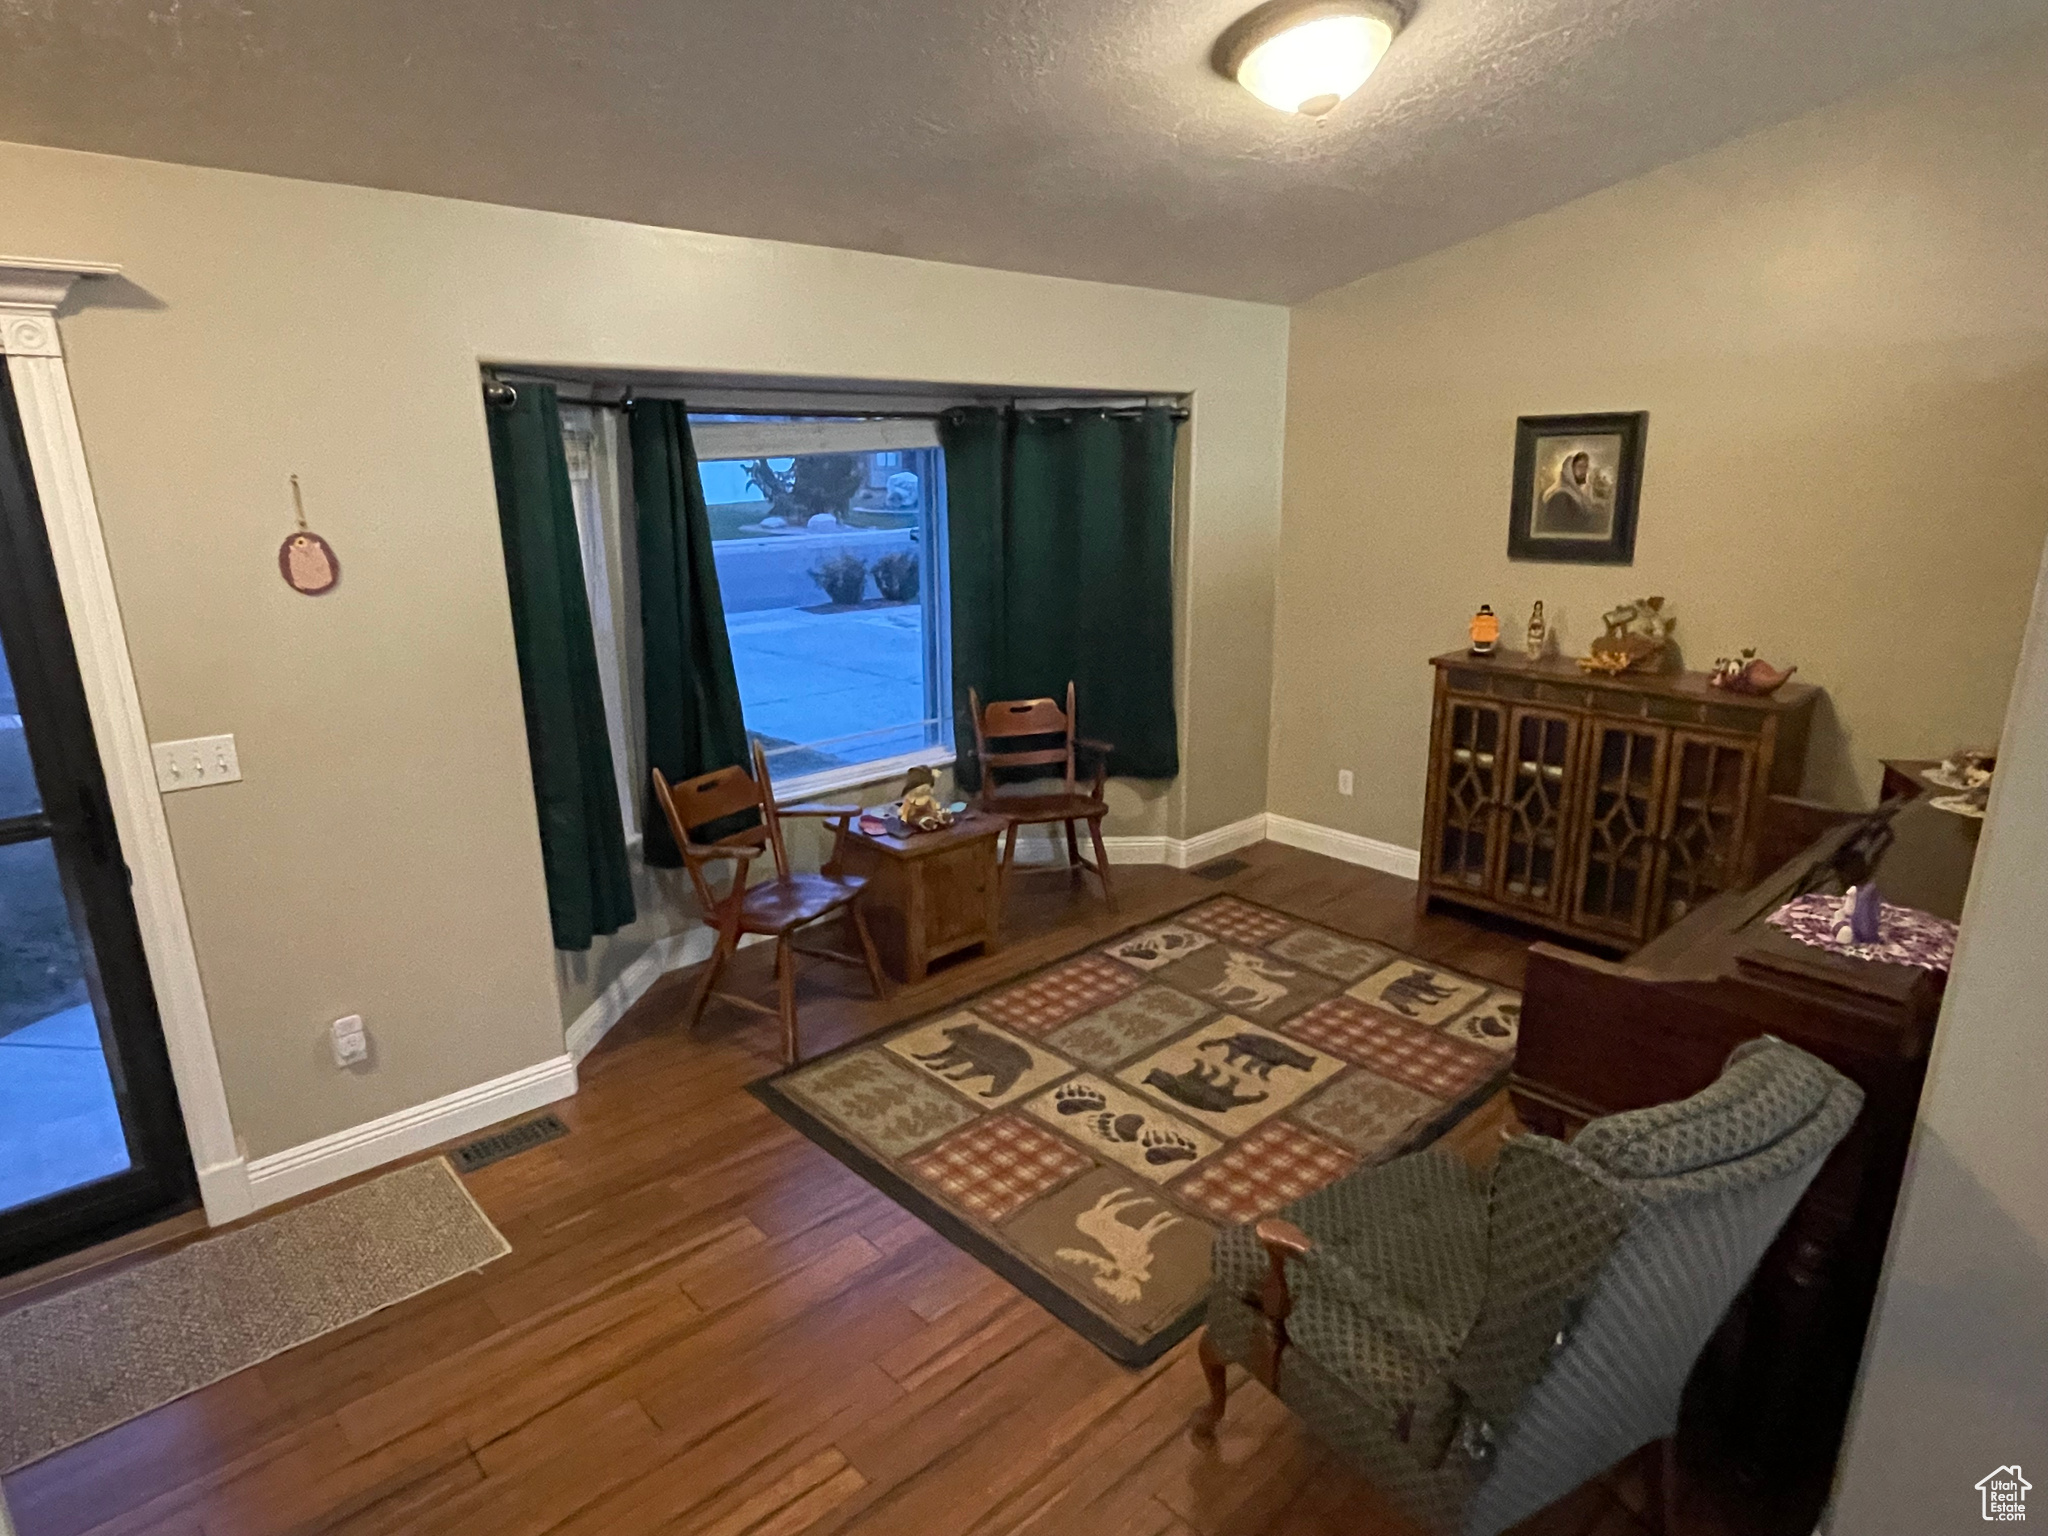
[{"x": 829, "y": 536}]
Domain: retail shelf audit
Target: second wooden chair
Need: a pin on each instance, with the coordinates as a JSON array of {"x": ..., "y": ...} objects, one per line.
[
  {"x": 1015, "y": 720},
  {"x": 777, "y": 907}
]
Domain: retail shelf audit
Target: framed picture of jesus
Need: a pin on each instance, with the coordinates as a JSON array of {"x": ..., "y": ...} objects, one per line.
[{"x": 1577, "y": 479}]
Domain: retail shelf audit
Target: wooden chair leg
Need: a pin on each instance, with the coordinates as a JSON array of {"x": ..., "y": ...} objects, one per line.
[
  {"x": 1202, "y": 1427},
  {"x": 867, "y": 950},
  {"x": 785, "y": 987},
  {"x": 720, "y": 953},
  {"x": 1101, "y": 861},
  {"x": 1073, "y": 851},
  {"x": 1660, "y": 1486},
  {"x": 1003, "y": 869}
]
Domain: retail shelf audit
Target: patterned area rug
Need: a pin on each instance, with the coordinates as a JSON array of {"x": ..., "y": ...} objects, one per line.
[{"x": 1085, "y": 1130}]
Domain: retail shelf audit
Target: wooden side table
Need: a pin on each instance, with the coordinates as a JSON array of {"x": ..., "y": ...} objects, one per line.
[
  {"x": 929, "y": 895},
  {"x": 1902, "y": 777}
]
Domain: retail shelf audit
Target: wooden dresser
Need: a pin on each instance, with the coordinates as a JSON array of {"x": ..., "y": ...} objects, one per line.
[
  {"x": 1599, "y": 1037},
  {"x": 1603, "y": 808}
]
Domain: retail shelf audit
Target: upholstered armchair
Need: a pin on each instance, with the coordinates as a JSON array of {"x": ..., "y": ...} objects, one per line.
[{"x": 1479, "y": 1344}]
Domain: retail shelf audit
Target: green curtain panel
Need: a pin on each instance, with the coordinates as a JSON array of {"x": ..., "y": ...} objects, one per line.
[
  {"x": 1060, "y": 526},
  {"x": 694, "y": 723},
  {"x": 582, "y": 841}
]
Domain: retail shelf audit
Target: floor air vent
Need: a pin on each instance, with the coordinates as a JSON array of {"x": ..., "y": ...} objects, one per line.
[
  {"x": 500, "y": 1145},
  {"x": 1220, "y": 869}
]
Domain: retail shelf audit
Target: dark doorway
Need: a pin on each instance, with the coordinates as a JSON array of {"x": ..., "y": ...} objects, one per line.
[{"x": 91, "y": 1142}]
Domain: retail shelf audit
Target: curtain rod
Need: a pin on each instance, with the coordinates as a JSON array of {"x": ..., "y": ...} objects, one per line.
[{"x": 500, "y": 388}]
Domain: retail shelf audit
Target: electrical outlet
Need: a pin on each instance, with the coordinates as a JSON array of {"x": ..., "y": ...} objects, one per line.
[
  {"x": 351, "y": 1042},
  {"x": 195, "y": 763},
  {"x": 1345, "y": 783}
]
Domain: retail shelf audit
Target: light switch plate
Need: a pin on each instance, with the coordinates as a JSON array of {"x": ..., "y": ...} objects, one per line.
[{"x": 196, "y": 763}]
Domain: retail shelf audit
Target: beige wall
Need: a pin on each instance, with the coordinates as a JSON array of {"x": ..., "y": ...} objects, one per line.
[
  {"x": 380, "y": 855},
  {"x": 1839, "y": 327},
  {"x": 1952, "y": 1383}
]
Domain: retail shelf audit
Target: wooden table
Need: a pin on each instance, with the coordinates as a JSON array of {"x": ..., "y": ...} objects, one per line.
[
  {"x": 1902, "y": 776},
  {"x": 930, "y": 894}
]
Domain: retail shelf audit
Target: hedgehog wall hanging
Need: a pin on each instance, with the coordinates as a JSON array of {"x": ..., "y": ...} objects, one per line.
[{"x": 307, "y": 562}]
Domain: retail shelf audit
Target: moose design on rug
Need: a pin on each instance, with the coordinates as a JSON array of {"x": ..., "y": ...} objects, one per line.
[
  {"x": 1250, "y": 981},
  {"x": 1231, "y": 1075},
  {"x": 981, "y": 1060},
  {"x": 1123, "y": 1264}
]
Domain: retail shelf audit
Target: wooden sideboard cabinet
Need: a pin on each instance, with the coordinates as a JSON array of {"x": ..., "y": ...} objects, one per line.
[{"x": 1605, "y": 808}]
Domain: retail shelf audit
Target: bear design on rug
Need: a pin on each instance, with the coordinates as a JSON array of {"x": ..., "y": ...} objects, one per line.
[
  {"x": 974, "y": 1053},
  {"x": 1202, "y": 1087},
  {"x": 1418, "y": 989},
  {"x": 1161, "y": 1146},
  {"x": 1258, "y": 1054}
]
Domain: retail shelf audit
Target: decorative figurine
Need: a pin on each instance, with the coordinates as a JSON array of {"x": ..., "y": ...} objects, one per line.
[
  {"x": 919, "y": 809},
  {"x": 1485, "y": 631},
  {"x": 1538, "y": 632},
  {"x": 1966, "y": 768},
  {"x": 1748, "y": 673},
  {"x": 1859, "y": 919},
  {"x": 1636, "y": 636}
]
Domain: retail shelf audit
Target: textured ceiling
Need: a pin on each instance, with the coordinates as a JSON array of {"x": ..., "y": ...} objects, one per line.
[{"x": 1086, "y": 138}]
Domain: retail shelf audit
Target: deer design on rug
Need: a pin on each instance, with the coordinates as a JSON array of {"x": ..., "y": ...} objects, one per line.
[
  {"x": 1250, "y": 981},
  {"x": 1125, "y": 1263}
]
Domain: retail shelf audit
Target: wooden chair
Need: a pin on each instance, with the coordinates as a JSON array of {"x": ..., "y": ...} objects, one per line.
[
  {"x": 1017, "y": 719},
  {"x": 779, "y": 906}
]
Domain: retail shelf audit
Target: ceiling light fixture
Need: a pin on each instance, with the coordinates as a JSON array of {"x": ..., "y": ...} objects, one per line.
[{"x": 1307, "y": 55}]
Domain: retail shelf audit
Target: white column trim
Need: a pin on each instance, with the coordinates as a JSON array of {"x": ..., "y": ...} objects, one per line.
[{"x": 31, "y": 289}]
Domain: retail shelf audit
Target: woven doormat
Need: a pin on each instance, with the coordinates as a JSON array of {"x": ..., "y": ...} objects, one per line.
[
  {"x": 99, "y": 1355},
  {"x": 1085, "y": 1130}
]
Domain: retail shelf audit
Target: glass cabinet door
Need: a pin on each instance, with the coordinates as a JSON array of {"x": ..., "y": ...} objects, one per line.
[
  {"x": 1468, "y": 793},
  {"x": 1537, "y": 776},
  {"x": 1618, "y": 847},
  {"x": 1706, "y": 804}
]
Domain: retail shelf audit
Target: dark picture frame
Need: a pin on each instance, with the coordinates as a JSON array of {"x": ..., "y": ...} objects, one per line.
[{"x": 1577, "y": 483}]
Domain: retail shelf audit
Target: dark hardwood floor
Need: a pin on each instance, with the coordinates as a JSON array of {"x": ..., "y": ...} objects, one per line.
[{"x": 709, "y": 1326}]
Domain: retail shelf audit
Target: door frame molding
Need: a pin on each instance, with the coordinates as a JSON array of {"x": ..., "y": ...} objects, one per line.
[{"x": 31, "y": 290}]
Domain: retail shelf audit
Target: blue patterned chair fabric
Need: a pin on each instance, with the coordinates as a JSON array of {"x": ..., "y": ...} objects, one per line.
[{"x": 1479, "y": 1344}]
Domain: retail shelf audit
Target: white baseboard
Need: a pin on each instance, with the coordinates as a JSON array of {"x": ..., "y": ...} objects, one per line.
[
  {"x": 1187, "y": 852},
  {"x": 1391, "y": 858},
  {"x": 299, "y": 1169},
  {"x": 1048, "y": 846},
  {"x": 663, "y": 955},
  {"x": 224, "y": 1192}
]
